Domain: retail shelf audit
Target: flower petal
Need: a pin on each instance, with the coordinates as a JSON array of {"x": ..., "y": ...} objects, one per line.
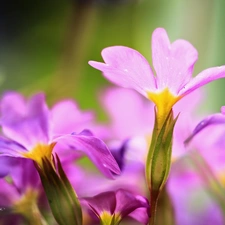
[
  {"x": 205, "y": 77},
  {"x": 94, "y": 148},
  {"x": 130, "y": 114},
  {"x": 214, "y": 119},
  {"x": 24, "y": 175},
  {"x": 104, "y": 202},
  {"x": 120, "y": 202},
  {"x": 193, "y": 203},
  {"x": 174, "y": 62},
  {"x": 126, "y": 202},
  {"x": 67, "y": 117},
  {"x": 6, "y": 165},
  {"x": 8, "y": 194},
  {"x": 140, "y": 215},
  {"x": 26, "y": 123},
  {"x": 126, "y": 67},
  {"x": 11, "y": 148}
]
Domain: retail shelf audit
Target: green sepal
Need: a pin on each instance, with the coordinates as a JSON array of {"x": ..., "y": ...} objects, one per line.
[
  {"x": 60, "y": 194},
  {"x": 159, "y": 156},
  {"x": 159, "y": 159}
]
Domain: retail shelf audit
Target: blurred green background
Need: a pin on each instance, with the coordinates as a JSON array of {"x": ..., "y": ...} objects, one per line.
[{"x": 45, "y": 45}]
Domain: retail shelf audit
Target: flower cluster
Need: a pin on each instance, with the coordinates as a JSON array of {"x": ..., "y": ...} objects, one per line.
[{"x": 153, "y": 164}]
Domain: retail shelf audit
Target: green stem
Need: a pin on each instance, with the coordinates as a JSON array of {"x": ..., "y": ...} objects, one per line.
[
  {"x": 35, "y": 217},
  {"x": 27, "y": 207},
  {"x": 165, "y": 209},
  {"x": 153, "y": 209},
  {"x": 159, "y": 160}
]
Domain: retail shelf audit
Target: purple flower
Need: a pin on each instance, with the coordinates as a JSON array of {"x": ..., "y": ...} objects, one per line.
[
  {"x": 7, "y": 164},
  {"x": 30, "y": 132},
  {"x": 21, "y": 195},
  {"x": 192, "y": 201},
  {"x": 207, "y": 183},
  {"x": 116, "y": 205},
  {"x": 208, "y": 138},
  {"x": 214, "y": 119},
  {"x": 172, "y": 62}
]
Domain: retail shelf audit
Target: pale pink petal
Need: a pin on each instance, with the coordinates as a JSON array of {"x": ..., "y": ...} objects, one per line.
[
  {"x": 130, "y": 114},
  {"x": 126, "y": 67},
  {"x": 203, "y": 78},
  {"x": 174, "y": 62},
  {"x": 67, "y": 117}
]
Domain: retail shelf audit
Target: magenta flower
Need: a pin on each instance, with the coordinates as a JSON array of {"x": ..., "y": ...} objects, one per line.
[
  {"x": 19, "y": 198},
  {"x": 208, "y": 139},
  {"x": 214, "y": 119},
  {"x": 173, "y": 64},
  {"x": 193, "y": 203},
  {"x": 115, "y": 206},
  {"x": 7, "y": 164},
  {"x": 31, "y": 132}
]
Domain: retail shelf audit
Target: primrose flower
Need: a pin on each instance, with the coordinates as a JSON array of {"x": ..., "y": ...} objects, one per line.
[
  {"x": 136, "y": 126},
  {"x": 193, "y": 203},
  {"x": 30, "y": 132},
  {"x": 19, "y": 198},
  {"x": 113, "y": 206},
  {"x": 208, "y": 157},
  {"x": 173, "y": 64},
  {"x": 208, "y": 139}
]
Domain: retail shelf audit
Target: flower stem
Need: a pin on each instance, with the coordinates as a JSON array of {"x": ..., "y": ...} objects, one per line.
[
  {"x": 159, "y": 160},
  {"x": 28, "y": 208},
  {"x": 35, "y": 217},
  {"x": 153, "y": 210}
]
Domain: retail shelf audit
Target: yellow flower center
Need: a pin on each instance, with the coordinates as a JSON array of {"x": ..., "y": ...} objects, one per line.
[
  {"x": 221, "y": 178},
  {"x": 39, "y": 152},
  {"x": 164, "y": 102},
  {"x": 26, "y": 203},
  {"x": 106, "y": 218}
]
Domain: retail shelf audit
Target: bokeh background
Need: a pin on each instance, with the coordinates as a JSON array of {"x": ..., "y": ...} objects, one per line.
[{"x": 45, "y": 45}]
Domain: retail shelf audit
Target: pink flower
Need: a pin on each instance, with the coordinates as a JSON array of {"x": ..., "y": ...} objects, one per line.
[
  {"x": 193, "y": 203},
  {"x": 173, "y": 64}
]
